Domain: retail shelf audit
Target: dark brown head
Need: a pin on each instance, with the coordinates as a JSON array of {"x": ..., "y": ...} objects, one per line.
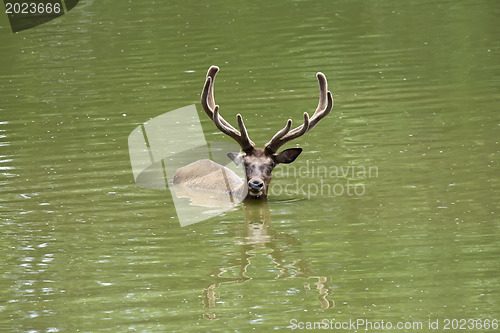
[
  {"x": 258, "y": 167},
  {"x": 259, "y": 163}
]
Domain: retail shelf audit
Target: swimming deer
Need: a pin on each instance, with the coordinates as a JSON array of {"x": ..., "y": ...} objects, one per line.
[{"x": 258, "y": 163}]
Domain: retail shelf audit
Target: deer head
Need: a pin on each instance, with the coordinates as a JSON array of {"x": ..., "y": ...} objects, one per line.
[{"x": 259, "y": 163}]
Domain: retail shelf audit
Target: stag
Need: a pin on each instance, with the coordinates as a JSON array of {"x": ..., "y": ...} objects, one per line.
[
  {"x": 258, "y": 163},
  {"x": 256, "y": 240}
]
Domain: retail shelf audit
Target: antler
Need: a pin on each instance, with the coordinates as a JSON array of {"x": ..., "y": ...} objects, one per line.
[
  {"x": 325, "y": 105},
  {"x": 212, "y": 110}
]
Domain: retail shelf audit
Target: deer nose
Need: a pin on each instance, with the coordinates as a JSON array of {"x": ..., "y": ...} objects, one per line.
[{"x": 255, "y": 185}]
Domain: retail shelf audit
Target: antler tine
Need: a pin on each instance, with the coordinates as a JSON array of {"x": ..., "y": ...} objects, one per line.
[
  {"x": 212, "y": 72},
  {"x": 325, "y": 105},
  {"x": 249, "y": 145},
  {"x": 212, "y": 110},
  {"x": 285, "y": 134}
]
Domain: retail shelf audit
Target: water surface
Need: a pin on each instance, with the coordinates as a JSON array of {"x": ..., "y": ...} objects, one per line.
[{"x": 416, "y": 88}]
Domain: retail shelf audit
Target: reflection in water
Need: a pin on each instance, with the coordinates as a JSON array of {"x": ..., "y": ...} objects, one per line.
[
  {"x": 257, "y": 234},
  {"x": 417, "y": 90}
]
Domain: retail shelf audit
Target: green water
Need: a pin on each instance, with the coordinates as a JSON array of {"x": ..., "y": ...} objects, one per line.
[{"x": 416, "y": 86}]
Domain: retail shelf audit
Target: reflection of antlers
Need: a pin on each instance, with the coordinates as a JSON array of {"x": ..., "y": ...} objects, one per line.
[
  {"x": 325, "y": 104},
  {"x": 257, "y": 234},
  {"x": 212, "y": 110},
  {"x": 324, "y": 290}
]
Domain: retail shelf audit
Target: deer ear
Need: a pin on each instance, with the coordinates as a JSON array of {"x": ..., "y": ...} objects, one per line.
[
  {"x": 237, "y": 158},
  {"x": 288, "y": 155}
]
